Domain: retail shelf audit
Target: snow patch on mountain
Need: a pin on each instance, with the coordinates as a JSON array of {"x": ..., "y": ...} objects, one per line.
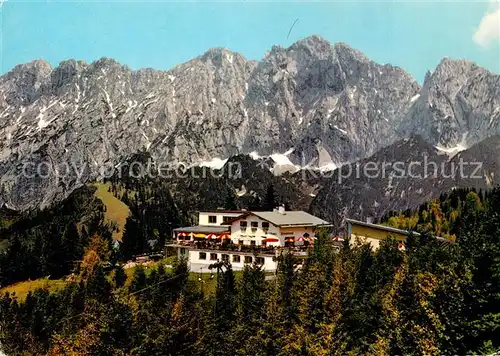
[
  {"x": 214, "y": 163},
  {"x": 341, "y": 130},
  {"x": 255, "y": 156},
  {"x": 241, "y": 191},
  {"x": 328, "y": 167},
  {"x": 281, "y": 159},
  {"x": 451, "y": 151},
  {"x": 282, "y": 162}
]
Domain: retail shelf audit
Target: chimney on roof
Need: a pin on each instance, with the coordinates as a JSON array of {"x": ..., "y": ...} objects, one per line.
[
  {"x": 369, "y": 219},
  {"x": 281, "y": 209}
]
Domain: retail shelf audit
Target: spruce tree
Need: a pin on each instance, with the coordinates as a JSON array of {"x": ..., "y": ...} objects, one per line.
[
  {"x": 138, "y": 279},
  {"x": 251, "y": 295},
  {"x": 270, "y": 199},
  {"x": 120, "y": 277}
]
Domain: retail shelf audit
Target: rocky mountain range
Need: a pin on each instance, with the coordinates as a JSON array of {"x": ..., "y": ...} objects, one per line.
[
  {"x": 313, "y": 104},
  {"x": 458, "y": 106},
  {"x": 414, "y": 173}
]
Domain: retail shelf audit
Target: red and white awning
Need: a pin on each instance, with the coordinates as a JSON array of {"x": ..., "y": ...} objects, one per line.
[
  {"x": 271, "y": 239},
  {"x": 306, "y": 237}
]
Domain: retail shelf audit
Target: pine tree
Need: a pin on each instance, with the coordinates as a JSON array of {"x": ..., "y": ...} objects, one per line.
[
  {"x": 485, "y": 254},
  {"x": 120, "y": 277},
  {"x": 138, "y": 279},
  {"x": 286, "y": 279},
  {"x": 470, "y": 225},
  {"x": 251, "y": 295},
  {"x": 230, "y": 201},
  {"x": 225, "y": 296},
  {"x": 131, "y": 240},
  {"x": 270, "y": 199},
  {"x": 98, "y": 286}
]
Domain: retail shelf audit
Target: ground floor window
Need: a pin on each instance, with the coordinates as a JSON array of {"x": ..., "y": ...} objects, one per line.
[
  {"x": 203, "y": 256},
  {"x": 259, "y": 260},
  {"x": 252, "y": 242},
  {"x": 236, "y": 258},
  {"x": 213, "y": 257},
  {"x": 248, "y": 259},
  {"x": 225, "y": 257}
]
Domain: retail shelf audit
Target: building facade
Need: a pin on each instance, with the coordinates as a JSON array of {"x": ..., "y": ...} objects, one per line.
[
  {"x": 244, "y": 237},
  {"x": 238, "y": 259},
  {"x": 274, "y": 228},
  {"x": 217, "y": 217},
  {"x": 374, "y": 234}
]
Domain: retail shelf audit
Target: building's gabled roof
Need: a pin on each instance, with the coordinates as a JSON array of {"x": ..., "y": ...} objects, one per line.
[
  {"x": 222, "y": 211},
  {"x": 382, "y": 227},
  {"x": 208, "y": 229},
  {"x": 286, "y": 219},
  {"x": 390, "y": 229}
]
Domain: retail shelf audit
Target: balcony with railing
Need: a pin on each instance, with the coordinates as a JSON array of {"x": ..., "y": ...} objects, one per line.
[
  {"x": 209, "y": 245},
  {"x": 238, "y": 248}
]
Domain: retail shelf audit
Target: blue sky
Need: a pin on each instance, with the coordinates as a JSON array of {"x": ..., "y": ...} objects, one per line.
[{"x": 413, "y": 35}]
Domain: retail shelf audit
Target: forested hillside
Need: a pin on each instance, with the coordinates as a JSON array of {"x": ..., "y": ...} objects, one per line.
[
  {"x": 142, "y": 212},
  {"x": 50, "y": 242},
  {"x": 159, "y": 204},
  {"x": 440, "y": 217},
  {"x": 433, "y": 298}
]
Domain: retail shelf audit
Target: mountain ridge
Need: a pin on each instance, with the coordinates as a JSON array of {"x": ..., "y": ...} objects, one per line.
[{"x": 329, "y": 103}]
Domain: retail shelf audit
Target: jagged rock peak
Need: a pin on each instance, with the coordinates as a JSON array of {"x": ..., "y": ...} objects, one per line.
[
  {"x": 72, "y": 63},
  {"x": 448, "y": 68},
  {"x": 314, "y": 44},
  {"x": 105, "y": 64},
  {"x": 342, "y": 49},
  {"x": 39, "y": 67},
  {"x": 331, "y": 104},
  {"x": 219, "y": 56},
  {"x": 458, "y": 105},
  {"x": 447, "y": 62}
]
